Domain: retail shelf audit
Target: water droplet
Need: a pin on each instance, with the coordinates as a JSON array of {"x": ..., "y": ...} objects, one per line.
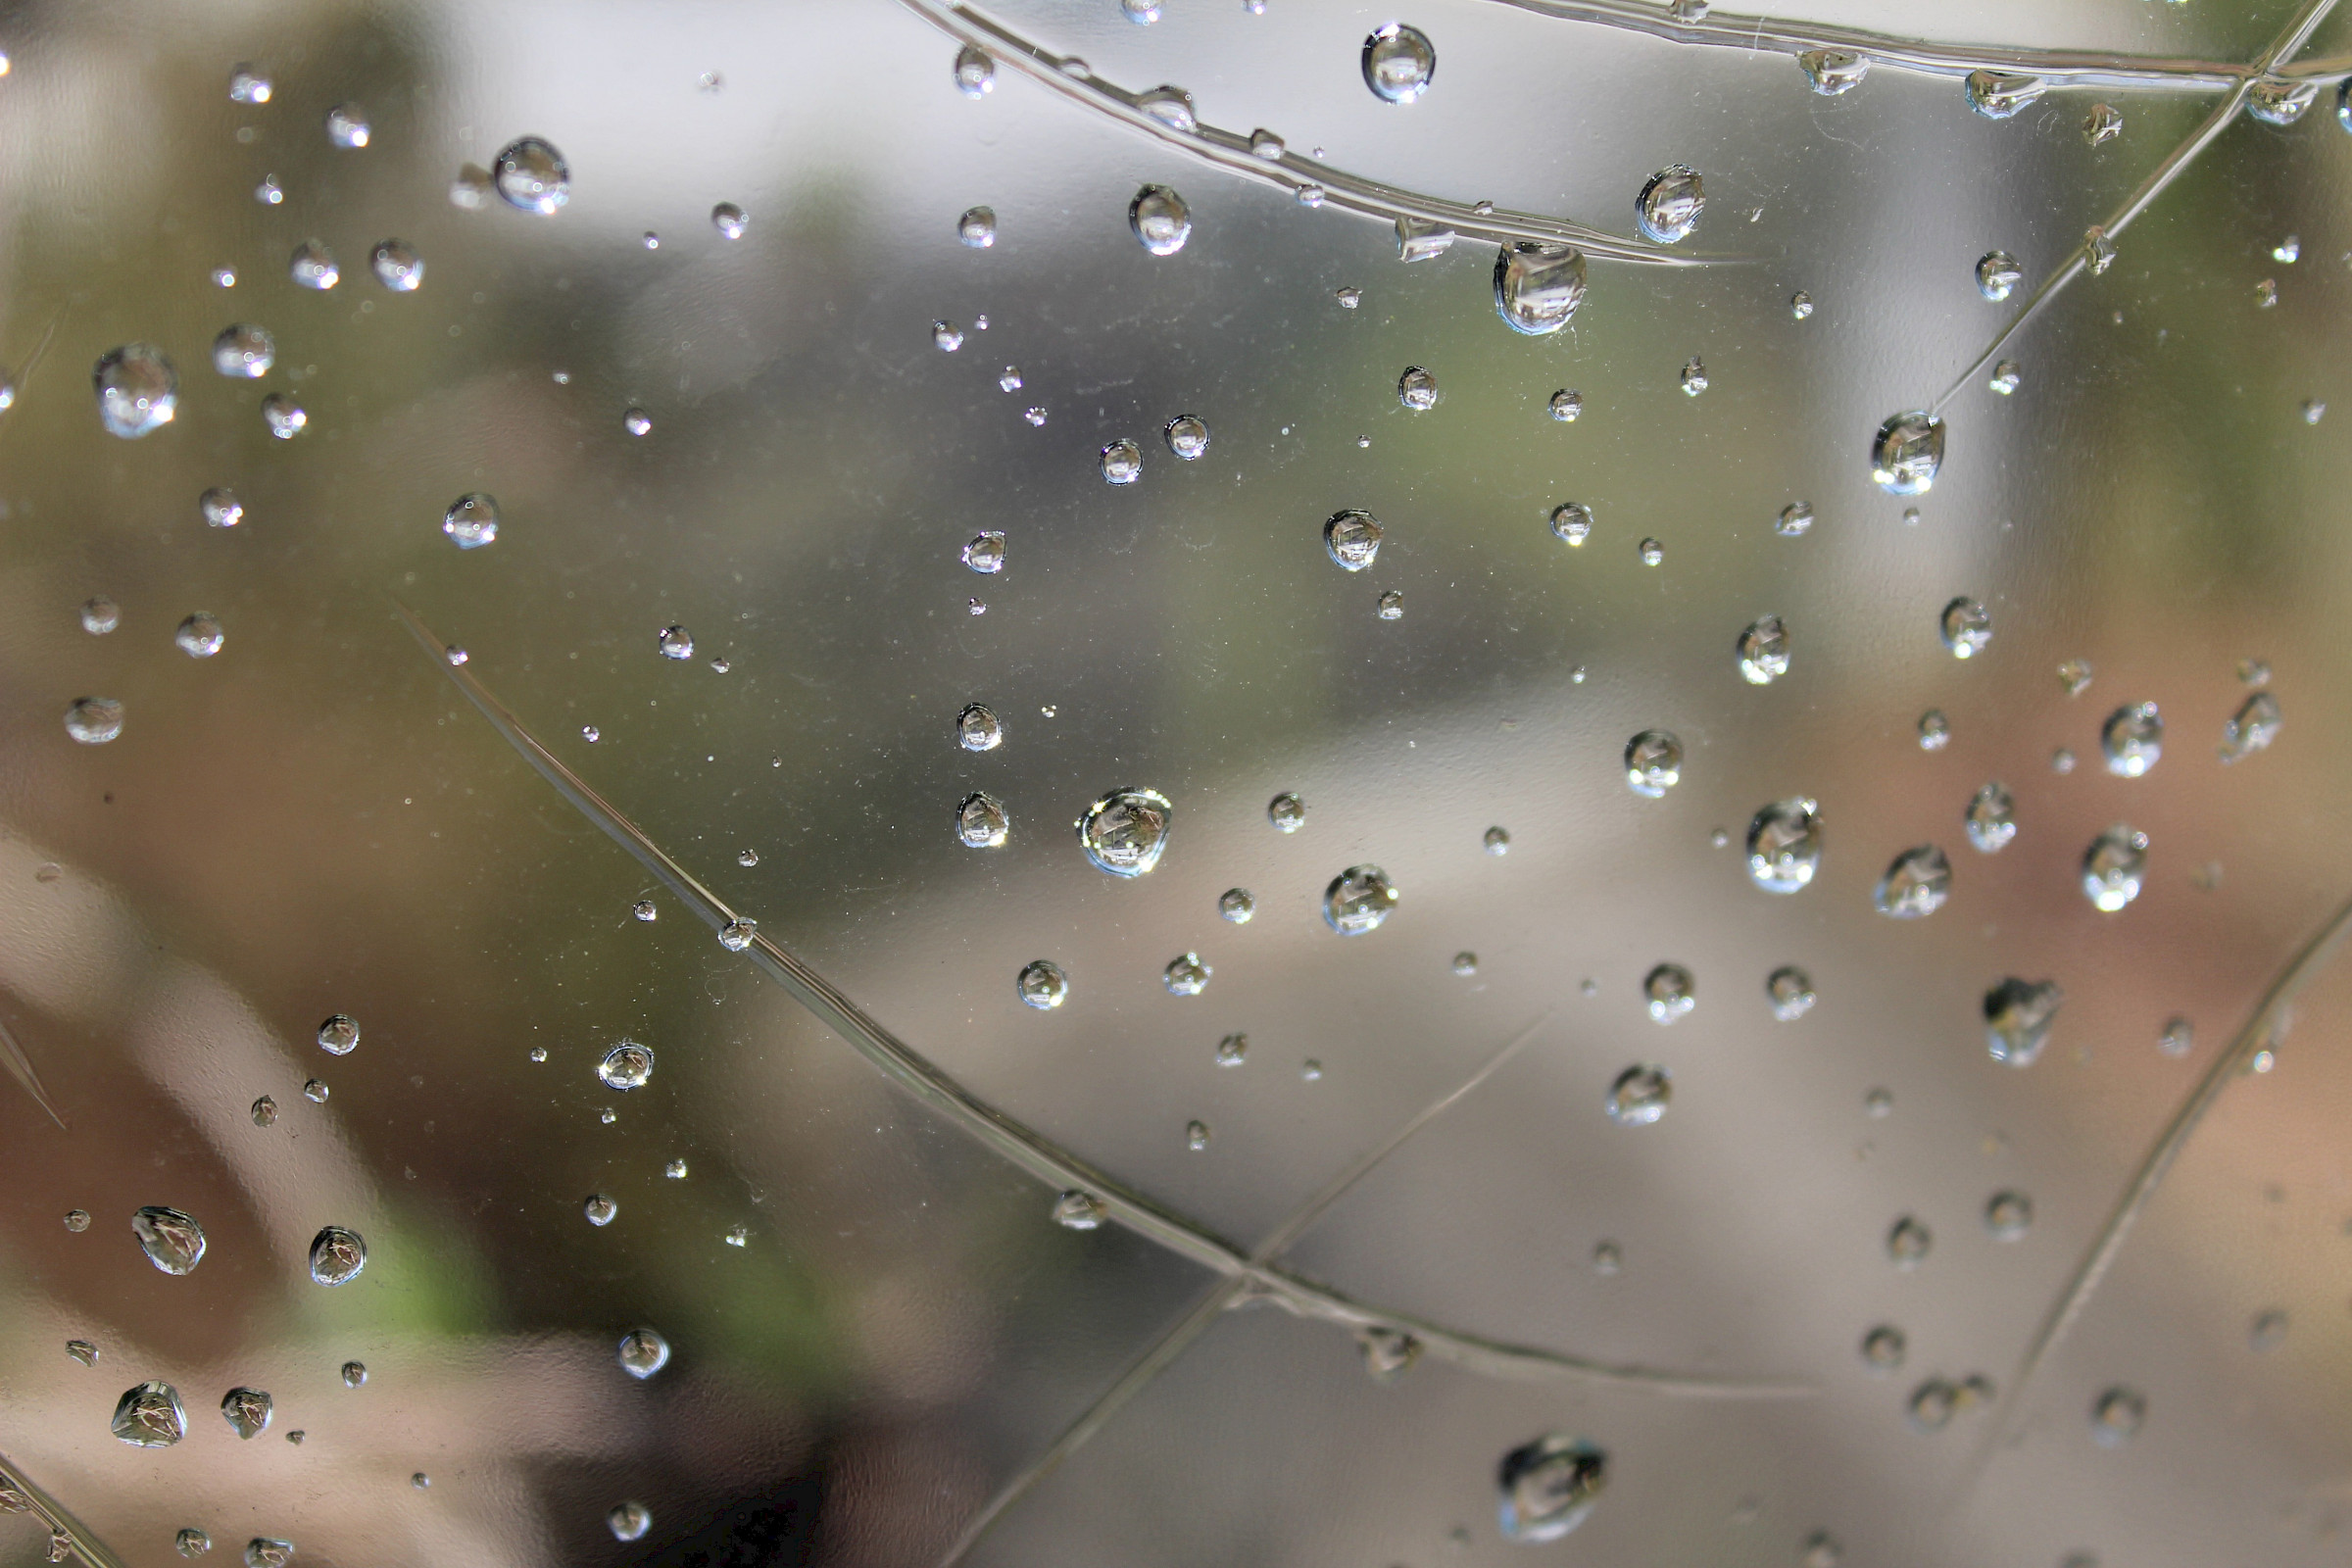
[
  {"x": 82, "y": 1351},
  {"x": 192, "y": 1543},
  {"x": 1653, "y": 762},
  {"x": 2004, "y": 378},
  {"x": 1764, "y": 650},
  {"x": 396, "y": 266},
  {"x": 627, "y": 1067},
  {"x": 1784, "y": 844},
  {"x": 2132, "y": 739},
  {"x": 1352, "y": 539},
  {"x": 2098, "y": 253},
  {"x": 2178, "y": 1038},
  {"x": 247, "y": 1411},
  {"x": 244, "y": 352},
  {"x": 2102, "y": 124},
  {"x": 1668, "y": 208},
  {"x": 1042, "y": 985},
  {"x": 1172, "y": 107},
  {"x": 2062, "y": 760},
  {"x": 246, "y": 85},
  {"x": 1883, "y": 1348},
  {"x": 977, "y": 729},
  {"x": 100, "y": 615},
  {"x": 1236, "y": 905},
  {"x": 1034, "y": 415},
  {"x": 2287, "y": 251},
  {"x": 2265, "y": 293},
  {"x": 269, "y": 192},
  {"x": 1801, "y": 305},
  {"x": 1833, "y": 71},
  {"x": 674, "y": 642},
  {"x": 1465, "y": 965},
  {"x": 2116, "y": 1416},
  {"x": 1906, "y": 454},
  {"x": 1125, "y": 831},
  {"x": 1671, "y": 992},
  {"x": 1233, "y": 1050},
  {"x": 1571, "y": 524},
  {"x": 2008, "y": 1216},
  {"x": 2112, "y": 867},
  {"x": 975, "y": 73},
  {"x": 1187, "y": 435},
  {"x": 1497, "y": 841},
  {"x": 1967, "y": 626},
  {"x": 347, "y": 126},
  {"x": 1079, "y": 1211},
  {"x": 138, "y": 391},
  {"x": 339, "y": 1035},
  {"x": 1992, "y": 818},
  {"x": 173, "y": 1240},
  {"x": 1399, "y": 62},
  {"x": 1934, "y": 730},
  {"x": 1121, "y": 461},
  {"x": 337, "y": 1256},
  {"x": 2074, "y": 677},
  {"x": 1795, "y": 519},
  {"x": 1877, "y": 1104},
  {"x": 1998, "y": 275},
  {"x": 1160, "y": 219},
  {"x": 1389, "y": 1353},
  {"x": 1790, "y": 992},
  {"x": 2313, "y": 411},
  {"x": 1908, "y": 1242},
  {"x": 1916, "y": 884},
  {"x": 533, "y": 176},
  {"x": 314, "y": 1092},
  {"x": 94, "y": 720},
  {"x": 1653, "y": 552},
  {"x": 1548, "y": 1486},
  {"x": 642, "y": 1352},
  {"x": 1391, "y": 605},
  {"x": 2018, "y": 1017},
  {"x": 2268, "y": 1331},
  {"x": 150, "y": 1416},
  {"x": 1287, "y": 811},
  {"x": 599, "y": 1210},
  {"x": 1693, "y": 377},
  {"x": 77, "y": 1220},
  {"x": 471, "y": 521},
  {"x": 1538, "y": 287},
  {"x": 1566, "y": 405},
  {"x": 1640, "y": 1094},
  {"x": 2280, "y": 103},
  {"x": 1417, "y": 389},
  {"x": 2000, "y": 95},
  {"x": 629, "y": 1521},
  {"x": 1186, "y": 975},
  {"x": 1358, "y": 900},
  {"x": 1196, "y": 1136},
  {"x": 981, "y": 823},
  {"x": 591, "y": 734},
  {"x": 947, "y": 336},
  {"x": 222, "y": 508},
  {"x": 285, "y": 418},
  {"x": 314, "y": 265},
  {"x": 199, "y": 636},
  {"x": 2251, "y": 728},
  {"x": 264, "y": 1551}
]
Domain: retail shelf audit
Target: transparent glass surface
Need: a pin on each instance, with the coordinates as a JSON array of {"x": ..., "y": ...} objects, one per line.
[{"x": 1267, "y": 1244}]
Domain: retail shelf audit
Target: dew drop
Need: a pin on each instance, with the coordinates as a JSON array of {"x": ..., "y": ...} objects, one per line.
[
  {"x": 82, "y": 1351},
  {"x": 946, "y": 336},
  {"x": 2001, "y": 95},
  {"x": 1465, "y": 965},
  {"x": 2102, "y": 124},
  {"x": 1653, "y": 762},
  {"x": 1391, "y": 605},
  {"x": 77, "y": 1220},
  {"x": 471, "y": 521},
  {"x": 627, "y": 1067},
  {"x": 1538, "y": 287},
  {"x": 1187, "y": 436},
  {"x": 1671, "y": 993},
  {"x": 1497, "y": 841},
  {"x": 1833, "y": 72},
  {"x": 2112, "y": 867},
  {"x": 1883, "y": 1348},
  {"x": 2274, "y": 102},
  {"x": 1967, "y": 626},
  {"x": 247, "y": 1411},
  {"x": 99, "y": 616},
  {"x": 599, "y": 1210},
  {"x": 981, "y": 823},
  {"x": 642, "y": 1352},
  {"x": 192, "y": 1543},
  {"x": 1549, "y": 1487},
  {"x": 975, "y": 73},
  {"x": 1042, "y": 985},
  {"x": 150, "y": 1416},
  {"x": 737, "y": 933},
  {"x": 1653, "y": 552},
  {"x": 1566, "y": 405},
  {"x": 314, "y": 1092},
  {"x": 173, "y": 1240},
  {"x": 1790, "y": 992},
  {"x": 2251, "y": 728},
  {"x": 1186, "y": 975},
  {"x": 1358, "y": 900},
  {"x": 244, "y": 352},
  {"x": 2178, "y": 1038},
  {"x": 1121, "y": 461},
  {"x": 1998, "y": 275},
  {"x": 94, "y": 720},
  {"x": 2098, "y": 254},
  {"x": 1079, "y": 1211},
  {"x": 285, "y": 418},
  {"x": 1908, "y": 1242},
  {"x": 246, "y": 85},
  {"x": 1124, "y": 832},
  {"x": 137, "y": 389},
  {"x": 2018, "y": 1018},
  {"x": 1417, "y": 389},
  {"x": 1784, "y": 844},
  {"x": 1352, "y": 539},
  {"x": 2132, "y": 739},
  {"x": 2008, "y": 1216},
  {"x": 2004, "y": 379},
  {"x": 1764, "y": 650},
  {"x": 1992, "y": 818},
  {"x": 1160, "y": 219},
  {"x": 269, "y": 192},
  {"x": 629, "y": 1521},
  {"x": 1172, "y": 107},
  {"x": 1399, "y": 62},
  {"x": 337, "y": 1256},
  {"x": 1571, "y": 524},
  {"x": 2074, "y": 677},
  {"x": 2116, "y": 1416},
  {"x": 2267, "y": 1332},
  {"x": 1668, "y": 208},
  {"x": 314, "y": 265},
  {"x": 532, "y": 176},
  {"x": 977, "y": 729},
  {"x": 1287, "y": 811},
  {"x": 1916, "y": 884},
  {"x": 1693, "y": 377},
  {"x": 396, "y": 266},
  {"x": 1233, "y": 1051},
  {"x": 1795, "y": 520},
  {"x": 1196, "y": 1136},
  {"x": 199, "y": 636},
  {"x": 1907, "y": 451},
  {"x": 1801, "y": 305},
  {"x": 264, "y": 1551}
]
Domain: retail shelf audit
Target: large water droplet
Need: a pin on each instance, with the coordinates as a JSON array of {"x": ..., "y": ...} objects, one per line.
[
  {"x": 1668, "y": 208},
  {"x": 94, "y": 720},
  {"x": 1790, "y": 992},
  {"x": 1352, "y": 539},
  {"x": 244, "y": 352},
  {"x": 138, "y": 391},
  {"x": 1566, "y": 405},
  {"x": 1572, "y": 523},
  {"x": 1999, "y": 94},
  {"x": 1172, "y": 107},
  {"x": 981, "y": 821},
  {"x": 2018, "y": 1017},
  {"x": 627, "y": 1067},
  {"x": 1042, "y": 985},
  {"x": 2251, "y": 728},
  {"x": 642, "y": 1352},
  {"x": 1998, "y": 275},
  {"x": 1236, "y": 905},
  {"x": 532, "y": 176},
  {"x": 1907, "y": 451},
  {"x": 1653, "y": 762},
  {"x": 598, "y": 1209},
  {"x": 471, "y": 521},
  {"x": 975, "y": 73},
  {"x": 2113, "y": 866},
  {"x": 1992, "y": 818},
  {"x": 1358, "y": 900},
  {"x": 1417, "y": 389},
  {"x": 1907, "y": 1243},
  {"x": 1967, "y": 626},
  {"x": 339, "y": 1035},
  {"x": 1399, "y": 62},
  {"x": 1160, "y": 219},
  {"x": 192, "y": 1543},
  {"x": 2132, "y": 739},
  {"x": 1764, "y": 650},
  {"x": 1538, "y": 287},
  {"x": 1639, "y": 1096},
  {"x": 1124, "y": 832},
  {"x": 1916, "y": 884},
  {"x": 247, "y": 1411},
  {"x": 2116, "y": 1416},
  {"x": 1548, "y": 1486},
  {"x": 150, "y": 1416},
  {"x": 2280, "y": 103},
  {"x": 173, "y": 1240},
  {"x": 337, "y": 1256},
  {"x": 2008, "y": 1216},
  {"x": 1784, "y": 844}
]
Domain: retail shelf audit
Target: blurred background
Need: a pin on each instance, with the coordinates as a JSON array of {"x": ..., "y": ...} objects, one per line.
[{"x": 875, "y": 1324}]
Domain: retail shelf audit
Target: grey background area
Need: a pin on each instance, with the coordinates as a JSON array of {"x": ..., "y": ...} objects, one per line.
[{"x": 315, "y": 820}]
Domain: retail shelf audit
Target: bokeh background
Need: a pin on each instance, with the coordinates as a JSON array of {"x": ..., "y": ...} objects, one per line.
[{"x": 876, "y": 1325}]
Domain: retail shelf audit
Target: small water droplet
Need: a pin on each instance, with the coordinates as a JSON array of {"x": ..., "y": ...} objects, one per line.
[
  {"x": 1670, "y": 204},
  {"x": 2113, "y": 866},
  {"x": 2098, "y": 254},
  {"x": 2268, "y": 1331},
  {"x": 591, "y": 734},
  {"x": 1160, "y": 219},
  {"x": 1764, "y": 650},
  {"x": 1908, "y": 1242},
  {"x": 2018, "y": 1017},
  {"x": 2274, "y": 102},
  {"x": 1352, "y": 539},
  {"x": 1916, "y": 884},
  {"x": 1172, "y": 107},
  {"x": 1801, "y": 305},
  {"x": 1186, "y": 975},
  {"x": 2008, "y": 1216},
  {"x": 192, "y": 1543},
  {"x": 77, "y": 1220},
  {"x": 1883, "y": 1348},
  {"x": 100, "y": 615},
  {"x": 2004, "y": 378},
  {"x": 2074, "y": 677},
  {"x": 246, "y": 85},
  {"x": 1497, "y": 841},
  {"x": 977, "y": 729},
  {"x": 1572, "y": 523},
  {"x": 2102, "y": 124},
  {"x": 1078, "y": 1211},
  {"x": 285, "y": 418},
  {"x": 1196, "y": 1136},
  {"x": 642, "y": 1352},
  {"x": 1653, "y": 552},
  {"x": 629, "y": 1521},
  {"x": 1992, "y": 818},
  {"x": 339, "y": 1035},
  {"x": 981, "y": 823},
  {"x": 1391, "y": 605},
  {"x": 2116, "y": 1416},
  {"x": 1465, "y": 965},
  {"x": 1187, "y": 436},
  {"x": 627, "y": 1067},
  {"x": 1693, "y": 377},
  {"x": 347, "y": 127},
  {"x": 199, "y": 636},
  {"x": 1934, "y": 730},
  {"x": 314, "y": 1092},
  {"x": 244, "y": 352},
  {"x": 138, "y": 391},
  {"x": 2252, "y": 727},
  {"x": 1671, "y": 993},
  {"x": 1538, "y": 286},
  {"x": 1998, "y": 275},
  {"x": 172, "y": 1240},
  {"x": 2313, "y": 411},
  {"x": 266, "y": 1551},
  {"x": 471, "y": 521},
  {"x": 1906, "y": 453},
  {"x": 396, "y": 266},
  {"x": 1417, "y": 388},
  {"x": 1967, "y": 626},
  {"x": 314, "y": 265},
  {"x": 1790, "y": 992},
  {"x": 1034, "y": 415},
  {"x": 2132, "y": 739},
  {"x": 1549, "y": 1487},
  {"x": 1795, "y": 519},
  {"x": 674, "y": 642},
  {"x": 1784, "y": 844},
  {"x": 1833, "y": 72},
  {"x": 337, "y": 1256},
  {"x": 1653, "y": 762},
  {"x": 1566, "y": 405},
  {"x": 2265, "y": 293},
  {"x": 247, "y": 1411},
  {"x": 1358, "y": 900},
  {"x": 150, "y": 1416},
  {"x": 1397, "y": 63},
  {"x": 533, "y": 176},
  {"x": 947, "y": 336},
  {"x": 1420, "y": 241},
  {"x": 1121, "y": 461},
  {"x": 1233, "y": 1050},
  {"x": 1287, "y": 811},
  {"x": 2287, "y": 251},
  {"x": 82, "y": 1351},
  {"x": 1124, "y": 832},
  {"x": 975, "y": 73},
  {"x": 1042, "y": 985},
  {"x": 269, "y": 193},
  {"x": 2001, "y": 95},
  {"x": 599, "y": 1210}
]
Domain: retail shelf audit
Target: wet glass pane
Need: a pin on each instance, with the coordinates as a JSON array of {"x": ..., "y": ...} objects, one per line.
[{"x": 875, "y": 783}]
